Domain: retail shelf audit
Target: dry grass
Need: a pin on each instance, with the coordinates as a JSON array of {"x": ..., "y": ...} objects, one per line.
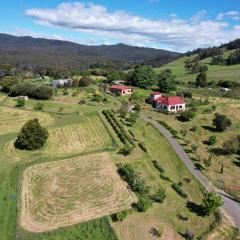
[
  {"x": 63, "y": 193},
  {"x": 89, "y": 135},
  {"x": 11, "y": 119}
]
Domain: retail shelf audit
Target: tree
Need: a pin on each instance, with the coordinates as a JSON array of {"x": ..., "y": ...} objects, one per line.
[
  {"x": 123, "y": 110},
  {"x": 211, "y": 202},
  {"x": 75, "y": 83},
  {"x": 208, "y": 162},
  {"x": 114, "y": 75},
  {"x": 221, "y": 122},
  {"x": 85, "y": 81},
  {"x": 232, "y": 145},
  {"x": 167, "y": 81},
  {"x": 7, "y": 83},
  {"x": 39, "y": 106},
  {"x": 133, "y": 116},
  {"x": 32, "y": 136},
  {"x": 160, "y": 195},
  {"x": 201, "y": 80},
  {"x": 120, "y": 216},
  {"x": 212, "y": 140},
  {"x": 142, "y": 76}
]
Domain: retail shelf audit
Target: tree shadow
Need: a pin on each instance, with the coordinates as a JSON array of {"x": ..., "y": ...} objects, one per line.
[
  {"x": 237, "y": 162},
  {"x": 209, "y": 128},
  {"x": 195, "y": 208}
]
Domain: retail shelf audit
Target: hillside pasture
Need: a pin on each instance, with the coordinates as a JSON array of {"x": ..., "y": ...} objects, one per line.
[
  {"x": 88, "y": 135},
  {"x": 12, "y": 119},
  {"x": 93, "y": 189}
]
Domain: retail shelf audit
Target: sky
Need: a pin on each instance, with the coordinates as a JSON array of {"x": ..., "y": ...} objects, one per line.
[{"x": 176, "y": 25}]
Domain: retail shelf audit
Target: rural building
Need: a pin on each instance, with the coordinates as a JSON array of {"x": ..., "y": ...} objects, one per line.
[
  {"x": 171, "y": 104},
  {"x": 121, "y": 90},
  {"x": 61, "y": 82},
  {"x": 25, "y": 98},
  {"x": 223, "y": 89},
  {"x": 119, "y": 82}
]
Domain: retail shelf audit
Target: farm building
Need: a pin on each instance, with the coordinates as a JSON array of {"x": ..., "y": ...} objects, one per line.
[
  {"x": 61, "y": 82},
  {"x": 121, "y": 90},
  {"x": 172, "y": 104}
]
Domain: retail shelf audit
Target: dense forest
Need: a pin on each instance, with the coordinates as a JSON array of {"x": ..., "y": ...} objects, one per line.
[{"x": 28, "y": 52}]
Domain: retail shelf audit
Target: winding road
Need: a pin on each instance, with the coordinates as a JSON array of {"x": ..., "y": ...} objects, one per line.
[{"x": 230, "y": 208}]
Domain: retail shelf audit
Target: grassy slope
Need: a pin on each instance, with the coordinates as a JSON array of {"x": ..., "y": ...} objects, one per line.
[
  {"x": 215, "y": 72},
  {"x": 166, "y": 213}
]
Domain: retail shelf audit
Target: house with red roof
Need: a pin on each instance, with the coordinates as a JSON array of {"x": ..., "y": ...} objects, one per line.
[
  {"x": 171, "y": 104},
  {"x": 121, "y": 90}
]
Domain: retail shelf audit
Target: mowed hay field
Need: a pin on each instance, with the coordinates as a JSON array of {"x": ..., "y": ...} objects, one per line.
[
  {"x": 12, "y": 119},
  {"x": 92, "y": 189},
  {"x": 88, "y": 135}
]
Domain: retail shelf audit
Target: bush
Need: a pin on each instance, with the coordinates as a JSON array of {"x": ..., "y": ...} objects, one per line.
[
  {"x": 32, "y": 136},
  {"x": 7, "y": 83},
  {"x": 143, "y": 204},
  {"x": 211, "y": 202},
  {"x": 165, "y": 177},
  {"x": 186, "y": 116},
  {"x": 178, "y": 189},
  {"x": 143, "y": 146},
  {"x": 158, "y": 166},
  {"x": 120, "y": 216},
  {"x": 82, "y": 101},
  {"x": 221, "y": 122},
  {"x": 212, "y": 140},
  {"x": 160, "y": 195},
  {"x": 39, "y": 106},
  {"x": 20, "y": 103},
  {"x": 127, "y": 149},
  {"x": 232, "y": 145},
  {"x": 84, "y": 82}
]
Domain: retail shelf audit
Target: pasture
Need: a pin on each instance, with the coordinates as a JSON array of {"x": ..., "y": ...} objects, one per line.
[
  {"x": 12, "y": 119},
  {"x": 92, "y": 189}
]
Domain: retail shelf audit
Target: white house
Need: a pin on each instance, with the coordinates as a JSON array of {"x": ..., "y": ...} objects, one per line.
[
  {"x": 172, "y": 104},
  {"x": 60, "y": 82}
]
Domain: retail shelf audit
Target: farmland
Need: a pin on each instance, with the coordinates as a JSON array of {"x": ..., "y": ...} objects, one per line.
[{"x": 92, "y": 189}]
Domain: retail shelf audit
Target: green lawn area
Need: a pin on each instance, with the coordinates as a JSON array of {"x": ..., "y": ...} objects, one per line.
[{"x": 215, "y": 72}]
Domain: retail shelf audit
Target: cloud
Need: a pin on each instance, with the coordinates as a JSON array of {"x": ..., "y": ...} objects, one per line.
[
  {"x": 235, "y": 15},
  {"x": 174, "y": 33}
]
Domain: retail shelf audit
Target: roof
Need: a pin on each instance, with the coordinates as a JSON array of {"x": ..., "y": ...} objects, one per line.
[
  {"x": 119, "y": 87},
  {"x": 173, "y": 100},
  {"x": 155, "y": 93}
]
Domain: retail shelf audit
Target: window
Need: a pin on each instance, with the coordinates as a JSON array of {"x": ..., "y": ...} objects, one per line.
[
  {"x": 172, "y": 107},
  {"x": 164, "y": 107},
  {"x": 180, "y": 106}
]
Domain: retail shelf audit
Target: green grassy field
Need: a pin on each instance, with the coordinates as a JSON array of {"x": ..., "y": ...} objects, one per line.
[{"x": 215, "y": 72}]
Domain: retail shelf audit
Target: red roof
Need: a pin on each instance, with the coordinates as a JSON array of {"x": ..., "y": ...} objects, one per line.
[
  {"x": 173, "y": 100},
  {"x": 155, "y": 93},
  {"x": 119, "y": 87}
]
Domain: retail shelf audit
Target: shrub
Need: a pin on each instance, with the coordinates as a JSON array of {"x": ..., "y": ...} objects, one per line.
[
  {"x": 160, "y": 195},
  {"x": 82, "y": 101},
  {"x": 232, "y": 145},
  {"x": 32, "y": 136},
  {"x": 84, "y": 82},
  {"x": 221, "y": 122},
  {"x": 178, "y": 189},
  {"x": 7, "y": 83},
  {"x": 39, "y": 106},
  {"x": 212, "y": 140},
  {"x": 20, "y": 103},
  {"x": 65, "y": 92},
  {"x": 211, "y": 202},
  {"x": 127, "y": 149},
  {"x": 143, "y": 204},
  {"x": 143, "y": 146},
  {"x": 194, "y": 128},
  {"x": 165, "y": 177},
  {"x": 158, "y": 166},
  {"x": 186, "y": 116},
  {"x": 120, "y": 216},
  {"x": 208, "y": 162},
  {"x": 137, "y": 107}
]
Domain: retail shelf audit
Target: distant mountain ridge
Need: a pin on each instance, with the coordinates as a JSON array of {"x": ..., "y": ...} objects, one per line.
[{"x": 39, "y": 52}]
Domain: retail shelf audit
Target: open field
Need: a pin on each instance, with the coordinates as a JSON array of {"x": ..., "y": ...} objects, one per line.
[
  {"x": 12, "y": 119},
  {"x": 88, "y": 135},
  {"x": 215, "y": 72},
  {"x": 92, "y": 189}
]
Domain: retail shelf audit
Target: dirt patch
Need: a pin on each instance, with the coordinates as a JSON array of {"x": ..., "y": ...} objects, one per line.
[{"x": 63, "y": 193}]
